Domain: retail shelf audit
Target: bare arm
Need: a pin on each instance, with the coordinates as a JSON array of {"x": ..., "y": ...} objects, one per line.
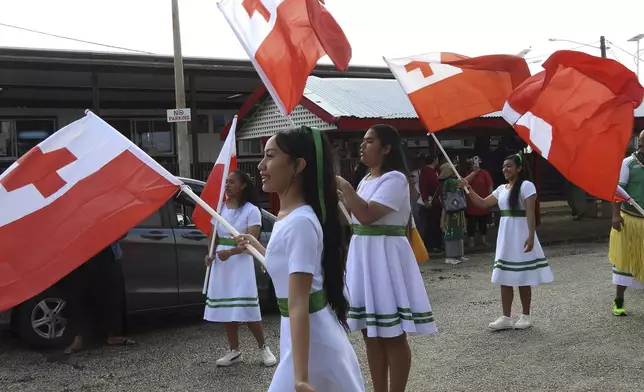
[
  {"x": 299, "y": 291},
  {"x": 530, "y": 208},
  {"x": 489, "y": 201},
  {"x": 254, "y": 231},
  {"x": 365, "y": 212}
]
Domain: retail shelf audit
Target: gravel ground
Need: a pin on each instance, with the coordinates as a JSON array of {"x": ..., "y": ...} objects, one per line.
[{"x": 576, "y": 344}]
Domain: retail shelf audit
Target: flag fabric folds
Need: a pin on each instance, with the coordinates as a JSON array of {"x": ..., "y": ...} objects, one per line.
[
  {"x": 284, "y": 40},
  {"x": 68, "y": 198},
  {"x": 447, "y": 88},
  {"x": 576, "y": 111},
  {"x": 213, "y": 193}
]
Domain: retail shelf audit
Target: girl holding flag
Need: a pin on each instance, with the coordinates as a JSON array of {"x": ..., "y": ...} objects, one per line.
[
  {"x": 386, "y": 289},
  {"x": 519, "y": 261},
  {"x": 305, "y": 260},
  {"x": 232, "y": 292}
]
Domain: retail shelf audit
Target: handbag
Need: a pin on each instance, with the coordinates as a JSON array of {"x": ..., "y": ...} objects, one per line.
[{"x": 454, "y": 201}]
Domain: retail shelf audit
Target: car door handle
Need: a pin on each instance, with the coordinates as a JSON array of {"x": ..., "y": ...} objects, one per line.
[
  {"x": 195, "y": 235},
  {"x": 154, "y": 235}
]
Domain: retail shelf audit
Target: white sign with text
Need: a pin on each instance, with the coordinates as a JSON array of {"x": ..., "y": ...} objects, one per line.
[{"x": 178, "y": 115}]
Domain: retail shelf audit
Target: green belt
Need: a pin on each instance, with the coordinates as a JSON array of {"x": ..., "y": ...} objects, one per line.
[
  {"x": 226, "y": 241},
  {"x": 378, "y": 230},
  {"x": 513, "y": 213},
  {"x": 317, "y": 302}
]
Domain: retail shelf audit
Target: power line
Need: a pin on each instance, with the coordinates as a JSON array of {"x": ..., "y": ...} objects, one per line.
[
  {"x": 548, "y": 54},
  {"x": 634, "y": 56},
  {"x": 73, "y": 39}
]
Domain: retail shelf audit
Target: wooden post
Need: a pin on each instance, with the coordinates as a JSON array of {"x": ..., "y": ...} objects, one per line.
[{"x": 194, "y": 124}]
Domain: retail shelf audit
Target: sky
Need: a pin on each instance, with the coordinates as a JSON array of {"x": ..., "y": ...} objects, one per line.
[{"x": 375, "y": 28}]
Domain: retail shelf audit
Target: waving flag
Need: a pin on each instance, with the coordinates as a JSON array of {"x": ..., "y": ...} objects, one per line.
[
  {"x": 67, "y": 199},
  {"x": 447, "y": 88},
  {"x": 213, "y": 193},
  {"x": 284, "y": 40},
  {"x": 578, "y": 110}
]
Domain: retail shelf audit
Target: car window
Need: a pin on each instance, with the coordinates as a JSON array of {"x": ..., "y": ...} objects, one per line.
[
  {"x": 184, "y": 206},
  {"x": 153, "y": 221}
]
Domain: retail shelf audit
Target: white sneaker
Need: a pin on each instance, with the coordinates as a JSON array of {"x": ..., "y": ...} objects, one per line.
[
  {"x": 463, "y": 258},
  {"x": 453, "y": 261},
  {"x": 233, "y": 357},
  {"x": 525, "y": 321},
  {"x": 268, "y": 359},
  {"x": 501, "y": 323}
]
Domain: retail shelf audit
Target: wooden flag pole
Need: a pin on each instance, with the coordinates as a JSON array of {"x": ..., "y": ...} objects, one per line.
[{"x": 448, "y": 160}]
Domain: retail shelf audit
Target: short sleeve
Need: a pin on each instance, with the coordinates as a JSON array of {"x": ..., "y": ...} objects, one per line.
[
  {"x": 393, "y": 191},
  {"x": 497, "y": 192},
  {"x": 527, "y": 189},
  {"x": 302, "y": 244},
  {"x": 254, "y": 217},
  {"x": 624, "y": 172}
]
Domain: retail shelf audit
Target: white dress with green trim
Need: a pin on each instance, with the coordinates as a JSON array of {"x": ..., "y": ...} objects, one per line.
[
  {"x": 296, "y": 247},
  {"x": 232, "y": 289},
  {"x": 512, "y": 265},
  {"x": 386, "y": 290}
]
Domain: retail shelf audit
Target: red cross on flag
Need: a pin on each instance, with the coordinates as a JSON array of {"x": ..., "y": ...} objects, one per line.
[
  {"x": 576, "y": 112},
  {"x": 284, "y": 40},
  {"x": 67, "y": 199},
  {"x": 447, "y": 88}
]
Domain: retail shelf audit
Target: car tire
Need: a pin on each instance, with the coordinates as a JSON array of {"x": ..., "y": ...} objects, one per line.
[
  {"x": 43, "y": 321},
  {"x": 271, "y": 303}
]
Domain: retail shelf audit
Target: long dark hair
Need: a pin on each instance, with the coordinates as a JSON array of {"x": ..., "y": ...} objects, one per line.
[
  {"x": 300, "y": 144},
  {"x": 395, "y": 160},
  {"x": 249, "y": 193},
  {"x": 523, "y": 175}
]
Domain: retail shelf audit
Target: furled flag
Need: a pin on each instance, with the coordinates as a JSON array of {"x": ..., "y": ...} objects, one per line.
[
  {"x": 284, "y": 40},
  {"x": 447, "y": 88},
  {"x": 580, "y": 109},
  {"x": 213, "y": 193},
  {"x": 67, "y": 199}
]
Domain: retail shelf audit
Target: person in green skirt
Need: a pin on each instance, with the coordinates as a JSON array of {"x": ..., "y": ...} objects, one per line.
[{"x": 452, "y": 223}]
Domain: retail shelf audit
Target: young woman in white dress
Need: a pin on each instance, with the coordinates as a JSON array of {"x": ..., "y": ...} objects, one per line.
[
  {"x": 232, "y": 290},
  {"x": 386, "y": 290},
  {"x": 305, "y": 260},
  {"x": 519, "y": 261}
]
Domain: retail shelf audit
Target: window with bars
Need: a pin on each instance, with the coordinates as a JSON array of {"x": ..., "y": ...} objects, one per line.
[
  {"x": 17, "y": 136},
  {"x": 155, "y": 137}
]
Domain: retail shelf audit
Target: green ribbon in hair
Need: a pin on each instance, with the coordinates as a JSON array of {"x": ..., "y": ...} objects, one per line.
[
  {"x": 319, "y": 157},
  {"x": 520, "y": 156}
]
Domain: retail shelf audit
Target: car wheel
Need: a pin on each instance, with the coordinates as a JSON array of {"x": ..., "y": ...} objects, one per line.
[{"x": 43, "y": 322}]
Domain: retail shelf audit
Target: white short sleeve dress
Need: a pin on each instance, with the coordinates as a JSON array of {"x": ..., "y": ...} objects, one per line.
[
  {"x": 386, "y": 290},
  {"x": 296, "y": 245},
  {"x": 232, "y": 288},
  {"x": 512, "y": 266}
]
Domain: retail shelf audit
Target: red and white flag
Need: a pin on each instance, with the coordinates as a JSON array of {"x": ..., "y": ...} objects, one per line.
[
  {"x": 580, "y": 109},
  {"x": 284, "y": 40},
  {"x": 67, "y": 199},
  {"x": 447, "y": 88},
  {"x": 213, "y": 193}
]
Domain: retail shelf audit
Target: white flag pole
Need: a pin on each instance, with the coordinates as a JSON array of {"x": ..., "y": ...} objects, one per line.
[
  {"x": 211, "y": 251},
  {"x": 213, "y": 245},
  {"x": 188, "y": 191},
  {"x": 448, "y": 160}
]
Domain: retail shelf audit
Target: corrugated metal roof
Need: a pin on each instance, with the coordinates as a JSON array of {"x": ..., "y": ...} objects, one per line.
[
  {"x": 360, "y": 98},
  {"x": 369, "y": 98}
]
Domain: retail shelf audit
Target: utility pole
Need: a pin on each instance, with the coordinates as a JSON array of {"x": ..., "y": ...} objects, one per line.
[
  {"x": 602, "y": 46},
  {"x": 183, "y": 149}
]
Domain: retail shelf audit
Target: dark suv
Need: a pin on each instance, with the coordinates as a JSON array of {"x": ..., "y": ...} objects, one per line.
[{"x": 163, "y": 268}]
